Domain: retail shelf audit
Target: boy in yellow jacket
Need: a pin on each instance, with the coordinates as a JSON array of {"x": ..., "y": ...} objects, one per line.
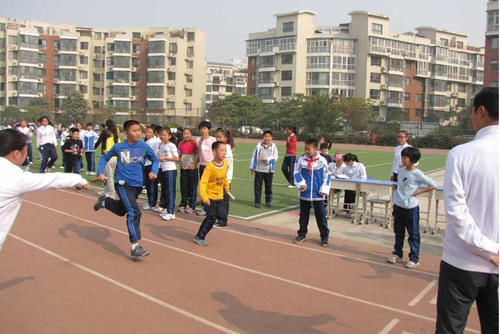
[{"x": 213, "y": 184}]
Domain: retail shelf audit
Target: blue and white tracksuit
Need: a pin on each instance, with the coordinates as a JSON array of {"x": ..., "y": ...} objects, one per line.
[
  {"x": 264, "y": 170},
  {"x": 313, "y": 173},
  {"x": 89, "y": 138}
]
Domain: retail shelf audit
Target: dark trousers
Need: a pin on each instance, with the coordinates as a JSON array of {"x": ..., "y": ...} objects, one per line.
[
  {"x": 457, "y": 290},
  {"x": 319, "y": 212},
  {"x": 215, "y": 211},
  {"x": 167, "y": 181},
  {"x": 90, "y": 157},
  {"x": 349, "y": 198},
  {"x": 49, "y": 156},
  {"x": 127, "y": 204},
  {"x": 225, "y": 205},
  {"x": 202, "y": 168},
  {"x": 267, "y": 178},
  {"x": 189, "y": 187},
  {"x": 406, "y": 219},
  {"x": 287, "y": 168},
  {"x": 30, "y": 152},
  {"x": 71, "y": 166},
  {"x": 151, "y": 186}
]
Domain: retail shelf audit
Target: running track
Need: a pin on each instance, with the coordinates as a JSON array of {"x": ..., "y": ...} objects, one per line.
[{"x": 65, "y": 269}]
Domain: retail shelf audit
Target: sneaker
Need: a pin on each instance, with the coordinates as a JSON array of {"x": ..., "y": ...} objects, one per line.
[
  {"x": 412, "y": 265},
  {"x": 200, "y": 242},
  {"x": 201, "y": 212},
  {"x": 299, "y": 239},
  {"x": 91, "y": 173},
  {"x": 181, "y": 209},
  {"x": 394, "y": 259},
  {"x": 62, "y": 167},
  {"x": 78, "y": 188},
  {"x": 87, "y": 173},
  {"x": 146, "y": 207},
  {"x": 324, "y": 243},
  {"x": 100, "y": 203},
  {"x": 189, "y": 210},
  {"x": 158, "y": 209},
  {"x": 168, "y": 216},
  {"x": 291, "y": 186},
  {"x": 220, "y": 225},
  {"x": 31, "y": 162},
  {"x": 257, "y": 205},
  {"x": 268, "y": 205},
  {"x": 144, "y": 191},
  {"x": 139, "y": 252}
]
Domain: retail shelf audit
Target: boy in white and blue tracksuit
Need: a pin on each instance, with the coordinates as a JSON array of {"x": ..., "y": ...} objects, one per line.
[
  {"x": 263, "y": 166},
  {"x": 312, "y": 179},
  {"x": 89, "y": 138}
]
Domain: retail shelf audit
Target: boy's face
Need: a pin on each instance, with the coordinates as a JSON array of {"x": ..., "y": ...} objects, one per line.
[
  {"x": 89, "y": 128},
  {"x": 204, "y": 131},
  {"x": 186, "y": 135},
  {"x": 63, "y": 128},
  {"x": 267, "y": 138},
  {"x": 406, "y": 161},
  {"x": 310, "y": 150},
  {"x": 75, "y": 135},
  {"x": 45, "y": 121},
  {"x": 164, "y": 136},
  {"x": 23, "y": 124},
  {"x": 220, "y": 152},
  {"x": 402, "y": 138},
  {"x": 324, "y": 151},
  {"x": 133, "y": 133}
]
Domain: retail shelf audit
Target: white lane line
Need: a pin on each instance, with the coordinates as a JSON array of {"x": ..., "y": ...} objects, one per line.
[
  {"x": 390, "y": 163},
  {"x": 252, "y": 271},
  {"x": 290, "y": 244},
  {"x": 422, "y": 293},
  {"x": 389, "y": 326},
  {"x": 434, "y": 300},
  {"x": 269, "y": 212},
  {"x": 433, "y": 170},
  {"x": 127, "y": 287}
]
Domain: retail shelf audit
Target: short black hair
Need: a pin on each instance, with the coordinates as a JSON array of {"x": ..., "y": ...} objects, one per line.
[
  {"x": 63, "y": 126},
  {"x": 323, "y": 146},
  {"x": 73, "y": 130},
  {"x": 204, "y": 124},
  {"x": 411, "y": 152},
  {"x": 488, "y": 98},
  {"x": 157, "y": 128},
  {"x": 216, "y": 144},
  {"x": 109, "y": 122},
  {"x": 42, "y": 118},
  {"x": 90, "y": 124},
  {"x": 312, "y": 141},
  {"x": 267, "y": 131},
  {"x": 350, "y": 157},
  {"x": 11, "y": 140},
  {"x": 403, "y": 131},
  {"x": 292, "y": 128},
  {"x": 188, "y": 129},
  {"x": 129, "y": 123}
]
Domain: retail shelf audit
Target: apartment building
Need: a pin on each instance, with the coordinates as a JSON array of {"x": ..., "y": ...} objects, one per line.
[
  {"x": 223, "y": 80},
  {"x": 491, "y": 45},
  {"x": 420, "y": 73},
  {"x": 135, "y": 70}
]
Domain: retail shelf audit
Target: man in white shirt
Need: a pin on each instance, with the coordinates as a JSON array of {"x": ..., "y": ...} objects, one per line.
[
  {"x": 469, "y": 268},
  {"x": 47, "y": 143},
  {"x": 402, "y": 144}
]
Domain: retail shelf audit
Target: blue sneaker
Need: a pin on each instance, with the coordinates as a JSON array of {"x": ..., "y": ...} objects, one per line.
[
  {"x": 200, "y": 242},
  {"x": 299, "y": 239},
  {"x": 138, "y": 252}
]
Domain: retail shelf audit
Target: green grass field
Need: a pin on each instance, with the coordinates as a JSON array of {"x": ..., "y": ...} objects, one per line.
[{"x": 378, "y": 167}]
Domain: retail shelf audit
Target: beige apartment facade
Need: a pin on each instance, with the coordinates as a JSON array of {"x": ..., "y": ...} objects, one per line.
[
  {"x": 423, "y": 73},
  {"x": 223, "y": 80},
  {"x": 137, "y": 71}
]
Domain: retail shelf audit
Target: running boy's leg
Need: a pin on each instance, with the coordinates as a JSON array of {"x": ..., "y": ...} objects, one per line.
[
  {"x": 257, "y": 187},
  {"x": 172, "y": 177},
  {"x": 412, "y": 226},
  {"x": 209, "y": 220},
  {"x": 69, "y": 166},
  {"x": 128, "y": 195},
  {"x": 268, "y": 180},
  {"x": 399, "y": 230},
  {"x": 320, "y": 213},
  {"x": 164, "y": 190}
]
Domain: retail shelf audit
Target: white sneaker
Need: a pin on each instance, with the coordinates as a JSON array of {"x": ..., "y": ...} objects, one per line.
[
  {"x": 394, "y": 259},
  {"x": 100, "y": 193},
  {"x": 62, "y": 167},
  {"x": 157, "y": 209},
  {"x": 144, "y": 191},
  {"x": 291, "y": 186},
  {"x": 168, "y": 216},
  {"x": 412, "y": 265},
  {"x": 146, "y": 207},
  {"x": 91, "y": 173},
  {"x": 87, "y": 173}
]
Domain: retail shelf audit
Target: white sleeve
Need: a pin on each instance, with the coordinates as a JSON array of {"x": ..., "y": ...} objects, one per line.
[
  {"x": 54, "y": 138},
  {"x": 458, "y": 215},
  {"x": 33, "y": 181},
  {"x": 362, "y": 171},
  {"x": 38, "y": 137},
  {"x": 299, "y": 180}
]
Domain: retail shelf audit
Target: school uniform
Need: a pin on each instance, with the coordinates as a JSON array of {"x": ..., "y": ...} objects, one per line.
[
  {"x": 397, "y": 164},
  {"x": 128, "y": 181},
  {"x": 205, "y": 153},
  {"x": 168, "y": 176},
  {"x": 189, "y": 177},
  {"x": 287, "y": 167},
  {"x": 313, "y": 173},
  {"x": 230, "y": 168},
  {"x": 356, "y": 171},
  {"x": 72, "y": 158},
  {"x": 27, "y": 132},
  {"x": 89, "y": 138},
  {"x": 47, "y": 143},
  {"x": 151, "y": 185},
  {"x": 264, "y": 170}
]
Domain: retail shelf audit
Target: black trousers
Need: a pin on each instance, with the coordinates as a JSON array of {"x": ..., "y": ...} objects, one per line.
[
  {"x": 127, "y": 204},
  {"x": 267, "y": 178},
  {"x": 151, "y": 186},
  {"x": 71, "y": 166},
  {"x": 90, "y": 157},
  {"x": 49, "y": 156},
  {"x": 319, "y": 212},
  {"x": 215, "y": 211},
  {"x": 349, "y": 198},
  {"x": 287, "y": 168},
  {"x": 189, "y": 187},
  {"x": 167, "y": 181},
  {"x": 457, "y": 290}
]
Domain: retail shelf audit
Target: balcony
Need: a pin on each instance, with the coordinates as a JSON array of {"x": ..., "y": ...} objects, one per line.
[{"x": 395, "y": 103}]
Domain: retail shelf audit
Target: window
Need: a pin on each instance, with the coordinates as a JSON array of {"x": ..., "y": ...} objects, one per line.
[
  {"x": 460, "y": 45},
  {"x": 84, "y": 60},
  {"x": 136, "y": 48},
  {"x": 288, "y": 59},
  {"x": 318, "y": 78},
  {"x": 375, "y": 77},
  {"x": 407, "y": 96},
  {"x": 135, "y": 62},
  {"x": 376, "y": 29},
  {"x": 189, "y": 78},
  {"x": 97, "y": 49},
  {"x": 288, "y": 27},
  {"x": 156, "y": 61},
  {"x": 190, "y": 51},
  {"x": 171, "y": 76},
  {"x": 171, "y": 91},
  {"x": 189, "y": 92},
  {"x": 84, "y": 45},
  {"x": 461, "y": 102},
  {"x": 419, "y": 98},
  {"x": 189, "y": 106},
  {"x": 286, "y": 91},
  {"x": 407, "y": 81},
  {"x": 190, "y": 36},
  {"x": 172, "y": 61},
  {"x": 229, "y": 89},
  {"x": 215, "y": 88},
  {"x": 252, "y": 61},
  {"x": 374, "y": 94},
  {"x": 97, "y": 35},
  {"x": 443, "y": 41},
  {"x": 318, "y": 62},
  {"x": 136, "y": 35},
  {"x": 494, "y": 43},
  {"x": 462, "y": 88},
  {"x": 376, "y": 61},
  {"x": 252, "y": 76},
  {"x": 170, "y": 105},
  {"x": 83, "y": 74},
  {"x": 494, "y": 65},
  {"x": 155, "y": 76},
  {"x": 154, "y": 91},
  {"x": 189, "y": 64},
  {"x": 286, "y": 75},
  {"x": 172, "y": 48}
]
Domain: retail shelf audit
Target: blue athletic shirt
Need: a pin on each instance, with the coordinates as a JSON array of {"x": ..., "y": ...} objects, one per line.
[{"x": 130, "y": 162}]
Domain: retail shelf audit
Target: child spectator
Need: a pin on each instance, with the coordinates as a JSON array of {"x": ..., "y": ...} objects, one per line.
[
  {"x": 353, "y": 170},
  {"x": 131, "y": 156},
  {"x": 323, "y": 149},
  {"x": 62, "y": 139},
  {"x": 79, "y": 126},
  {"x": 168, "y": 156},
  {"x": 287, "y": 167},
  {"x": 72, "y": 150},
  {"x": 312, "y": 179},
  {"x": 204, "y": 145},
  {"x": 89, "y": 139},
  {"x": 189, "y": 171},
  {"x": 151, "y": 185},
  {"x": 47, "y": 143},
  {"x": 406, "y": 209},
  {"x": 338, "y": 167},
  {"x": 25, "y": 130},
  {"x": 226, "y": 138},
  {"x": 262, "y": 165},
  {"x": 213, "y": 185}
]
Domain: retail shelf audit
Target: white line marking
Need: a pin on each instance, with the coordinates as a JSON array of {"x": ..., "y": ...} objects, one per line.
[
  {"x": 434, "y": 170},
  {"x": 389, "y": 326},
  {"x": 290, "y": 244},
  {"x": 270, "y": 212},
  {"x": 434, "y": 300},
  {"x": 422, "y": 293},
  {"x": 251, "y": 180},
  {"x": 127, "y": 287},
  {"x": 390, "y": 163},
  {"x": 252, "y": 271}
]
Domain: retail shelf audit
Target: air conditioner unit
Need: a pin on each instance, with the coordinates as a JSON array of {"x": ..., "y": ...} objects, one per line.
[
  {"x": 40, "y": 94},
  {"x": 134, "y": 69},
  {"x": 171, "y": 84},
  {"x": 382, "y": 87},
  {"x": 132, "y": 97},
  {"x": 40, "y": 80},
  {"x": 40, "y": 65},
  {"x": 56, "y": 80}
]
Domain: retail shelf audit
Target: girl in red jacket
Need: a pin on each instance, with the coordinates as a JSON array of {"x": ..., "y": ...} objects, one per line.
[{"x": 291, "y": 151}]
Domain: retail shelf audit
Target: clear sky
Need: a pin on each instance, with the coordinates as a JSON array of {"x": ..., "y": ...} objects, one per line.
[{"x": 227, "y": 23}]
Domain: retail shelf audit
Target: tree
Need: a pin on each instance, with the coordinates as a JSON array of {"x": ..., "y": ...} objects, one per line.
[
  {"x": 360, "y": 112},
  {"x": 37, "y": 108},
  {"x": 396, "y": 115},
  {"x": 320, "y": 115},
  {"x": 74, "y": 108},
  {"x": 236, "y": 110},
  {"x": 9, "y": 115},
  {"x": 464, "y": 118}
]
